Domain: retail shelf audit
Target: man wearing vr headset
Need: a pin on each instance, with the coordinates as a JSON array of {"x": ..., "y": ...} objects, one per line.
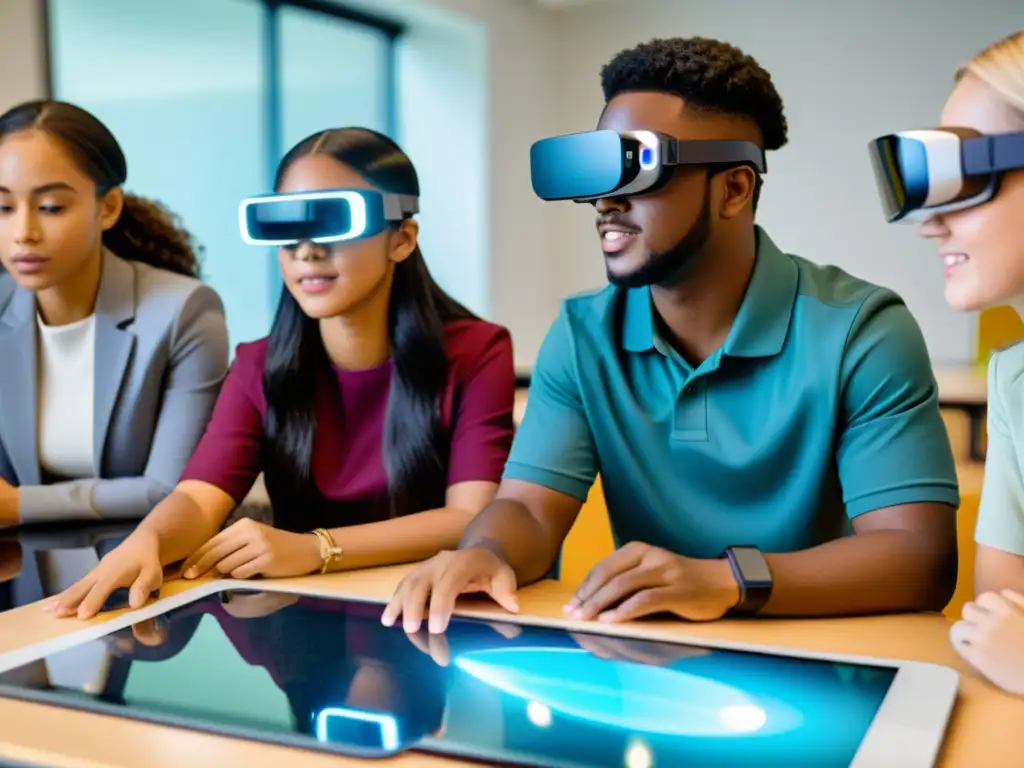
[{"x": 744, "y": 406}]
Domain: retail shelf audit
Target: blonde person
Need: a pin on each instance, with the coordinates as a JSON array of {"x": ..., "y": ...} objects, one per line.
[{"x": 968, "y": 196}]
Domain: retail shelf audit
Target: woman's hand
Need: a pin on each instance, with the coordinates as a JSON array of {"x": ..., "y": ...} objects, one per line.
[
  {"x": 151, "y": 632},
  {"x": 259, "y": 604},
  {"x": 247, "y": 548},
  {"x": 990, "y": 638},
  {"x": 135, "y": 563},
  {"x": 8, "y": 503},
  {"x": 10, "y": 560}
]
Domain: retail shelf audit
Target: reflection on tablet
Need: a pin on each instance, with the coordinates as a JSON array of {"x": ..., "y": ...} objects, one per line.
[
  {"x": 325, "y": 674},
  {"x": 344, "y": 725},
  {"x": 623, "y": 694}
]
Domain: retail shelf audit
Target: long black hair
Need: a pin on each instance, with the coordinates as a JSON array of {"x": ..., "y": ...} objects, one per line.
[
  {"x": 146, "y": 231},
  {"x": 415, "y": 454}
]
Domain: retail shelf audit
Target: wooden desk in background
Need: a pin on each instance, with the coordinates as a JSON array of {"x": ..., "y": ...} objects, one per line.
[
  {"x": 965, "y": 388},
  {"x": 984, "y": 729}
]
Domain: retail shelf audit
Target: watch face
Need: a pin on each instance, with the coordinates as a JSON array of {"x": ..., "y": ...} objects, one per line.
[{"x": 752, "y": 564}]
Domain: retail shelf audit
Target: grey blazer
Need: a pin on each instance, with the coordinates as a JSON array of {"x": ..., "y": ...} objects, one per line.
[{"x": 161, "y": 356}]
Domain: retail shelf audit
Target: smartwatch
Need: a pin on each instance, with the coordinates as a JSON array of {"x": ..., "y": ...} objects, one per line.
[{"x": 753, "y": 575}]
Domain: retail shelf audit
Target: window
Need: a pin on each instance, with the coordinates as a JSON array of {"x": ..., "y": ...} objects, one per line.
[
  {"x": 206, "y": 95},
  {"x": 351, "y": 62}
]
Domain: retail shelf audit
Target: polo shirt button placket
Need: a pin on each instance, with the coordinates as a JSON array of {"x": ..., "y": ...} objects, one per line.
[{"x": 690, "y": 422}]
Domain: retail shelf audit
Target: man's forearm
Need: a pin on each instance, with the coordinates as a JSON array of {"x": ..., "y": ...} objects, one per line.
[
  {"x": 507, "y": 528},
  {"x": 877, "y": 572}
]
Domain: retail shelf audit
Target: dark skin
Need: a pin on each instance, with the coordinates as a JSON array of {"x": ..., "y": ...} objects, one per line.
[{"x": 514, "y": 540}]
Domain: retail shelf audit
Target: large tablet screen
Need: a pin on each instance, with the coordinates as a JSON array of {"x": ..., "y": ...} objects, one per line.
[{"x": 325, "y": 674}]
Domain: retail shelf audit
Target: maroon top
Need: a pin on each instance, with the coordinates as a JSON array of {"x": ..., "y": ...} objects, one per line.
[{"x": 348, "y": 464}]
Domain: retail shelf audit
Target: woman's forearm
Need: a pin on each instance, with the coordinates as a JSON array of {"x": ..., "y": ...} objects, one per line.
[
  {"x": 400, "y": 540},
  {"x": 89, "y": 499},
  {"x": 182, "y": 522}
]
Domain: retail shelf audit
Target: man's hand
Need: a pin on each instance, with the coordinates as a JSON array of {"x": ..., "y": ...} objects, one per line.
[
  {"x": 247, "y": 549},
  {"x": 441, "y": 579},
  {"x": 436, "y": 645},
  {"x": 9, "y": 497},
  {"x": 990, "y": 638},
  {"x": 639, "y": 579},
  {"x": 653, "y": 654}
]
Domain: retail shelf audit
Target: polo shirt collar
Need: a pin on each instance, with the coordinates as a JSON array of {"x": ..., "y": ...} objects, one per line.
[
  {"x": 638, "y": 321},
  {"x": 762, "y": 323}
]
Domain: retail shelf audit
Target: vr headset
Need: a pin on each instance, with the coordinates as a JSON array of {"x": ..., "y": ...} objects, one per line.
[
  {"x": 927, "y": 172},
  {"x": 594, "y": 164},
  {"x": 330, "y": 216}
]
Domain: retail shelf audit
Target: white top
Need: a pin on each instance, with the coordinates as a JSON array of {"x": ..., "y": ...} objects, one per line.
[{"x": 66, "y": 362}]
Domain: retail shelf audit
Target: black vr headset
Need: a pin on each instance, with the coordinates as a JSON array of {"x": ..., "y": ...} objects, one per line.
[
  {"x": 594, "y": 164},
  {"x": 331, "y": 216},
  {"x": 927, "y": 172}
]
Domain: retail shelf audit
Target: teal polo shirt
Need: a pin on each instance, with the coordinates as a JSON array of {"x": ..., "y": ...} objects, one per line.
[{"x": 821, "y": 405}]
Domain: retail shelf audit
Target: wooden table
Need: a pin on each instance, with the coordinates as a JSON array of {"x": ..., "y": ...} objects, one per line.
[{"x": 985, "y": 729}]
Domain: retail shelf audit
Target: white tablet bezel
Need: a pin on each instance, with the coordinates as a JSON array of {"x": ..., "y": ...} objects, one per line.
[{"x": 908, "y": 730}]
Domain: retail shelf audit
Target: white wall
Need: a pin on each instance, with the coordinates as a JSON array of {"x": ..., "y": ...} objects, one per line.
[
  {"x": 847, "y": 71},
  {"x": 22, "y": 53}
]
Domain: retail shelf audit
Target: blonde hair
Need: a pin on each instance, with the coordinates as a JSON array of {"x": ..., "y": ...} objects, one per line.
[{"x": 1001, "y": 67}]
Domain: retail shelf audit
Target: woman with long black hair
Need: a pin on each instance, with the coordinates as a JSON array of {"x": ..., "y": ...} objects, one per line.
[{"x": 379, "y": 410}]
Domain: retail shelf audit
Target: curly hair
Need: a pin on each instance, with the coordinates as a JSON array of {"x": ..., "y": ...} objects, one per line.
[
  {"x": 707, "y": 74},
  {"x": 149, "y": 232},
  {"x": 146, "y": 230}
]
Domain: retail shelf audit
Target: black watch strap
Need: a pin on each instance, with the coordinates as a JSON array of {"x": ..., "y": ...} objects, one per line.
[{"x": 753, "y": 575}]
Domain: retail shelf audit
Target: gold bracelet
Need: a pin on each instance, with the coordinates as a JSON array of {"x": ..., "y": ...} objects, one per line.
[{"x": 328, "y": 549}]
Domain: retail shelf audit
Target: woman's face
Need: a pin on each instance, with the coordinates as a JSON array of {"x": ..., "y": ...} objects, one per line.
[
  {"x": 51, "y": 222},
  {"x": 336, "y": 279},
  {"x": 982, "y": 247}
]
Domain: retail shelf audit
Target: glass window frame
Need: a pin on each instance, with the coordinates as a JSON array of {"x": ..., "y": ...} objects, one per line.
[{"x": 271, "y": 77}]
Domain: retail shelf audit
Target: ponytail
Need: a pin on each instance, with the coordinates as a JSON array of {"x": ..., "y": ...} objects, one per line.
[{"x": 148, "y": 232}]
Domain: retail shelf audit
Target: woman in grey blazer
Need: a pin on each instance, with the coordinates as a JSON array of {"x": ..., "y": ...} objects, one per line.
[{"x": 112, "y": 352}]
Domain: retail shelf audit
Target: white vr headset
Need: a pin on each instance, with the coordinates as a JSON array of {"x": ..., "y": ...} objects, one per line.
[
  {"x": 938, "y": 170},
  {"x": 329, "y": 216}
]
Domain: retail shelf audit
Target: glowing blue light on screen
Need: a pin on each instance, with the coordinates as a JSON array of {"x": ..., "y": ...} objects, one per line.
[
  {"x": 623, "y": 694},
  {"x": 387, "y": 724}
]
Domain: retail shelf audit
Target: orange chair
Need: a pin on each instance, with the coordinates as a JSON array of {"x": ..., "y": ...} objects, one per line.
[
  {"x": 998, "y": 327},
  {"x": 590, "y": 539},
  {"x": 966, "y": 519}
]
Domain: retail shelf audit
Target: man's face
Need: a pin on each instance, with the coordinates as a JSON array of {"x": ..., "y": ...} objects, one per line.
[{"x": 659, "y": 237}]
